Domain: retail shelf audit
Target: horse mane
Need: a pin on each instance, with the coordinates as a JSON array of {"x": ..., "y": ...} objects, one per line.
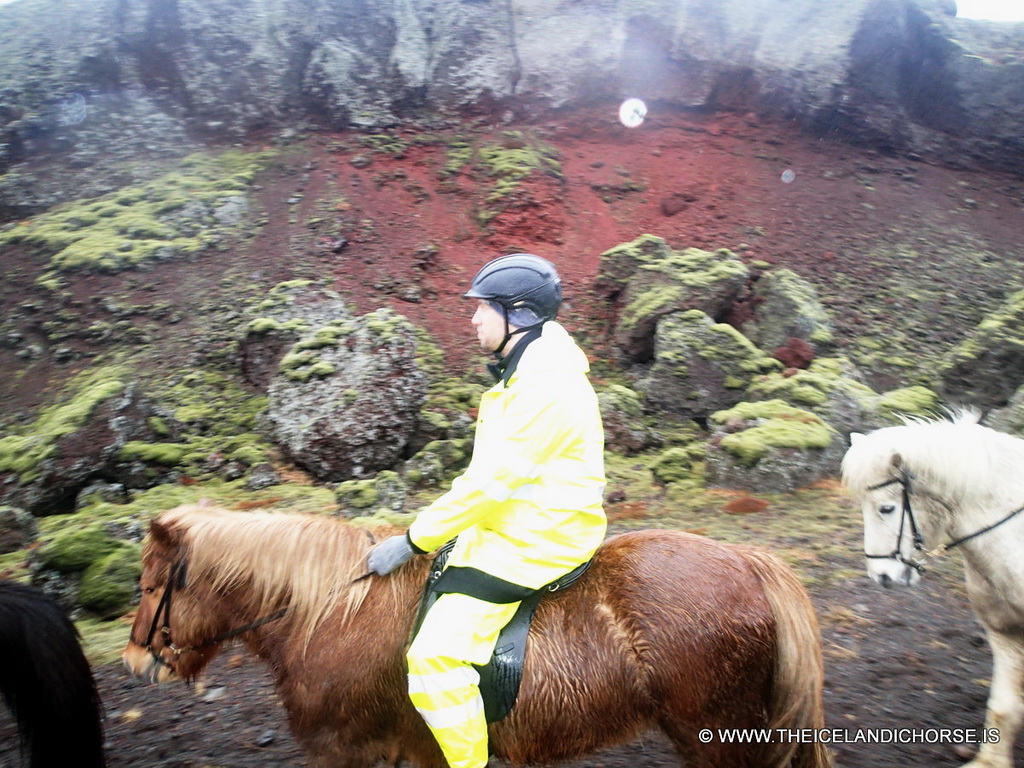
[
  {"x": 949, "y": 457},
  {"x": 307, "y": 563}
]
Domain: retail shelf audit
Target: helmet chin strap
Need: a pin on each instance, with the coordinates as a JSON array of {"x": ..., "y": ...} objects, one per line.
[{"x": 509, "y": 333}]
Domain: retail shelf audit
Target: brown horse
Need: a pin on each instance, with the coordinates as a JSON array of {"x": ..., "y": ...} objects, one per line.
[{"x": 666, "y": 630}]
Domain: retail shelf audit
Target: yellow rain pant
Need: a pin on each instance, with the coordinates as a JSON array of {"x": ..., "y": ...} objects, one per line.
[{"x": 457, "y": 632}]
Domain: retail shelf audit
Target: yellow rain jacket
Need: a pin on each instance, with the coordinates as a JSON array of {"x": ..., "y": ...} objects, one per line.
[{"x": 528, "y": 509}]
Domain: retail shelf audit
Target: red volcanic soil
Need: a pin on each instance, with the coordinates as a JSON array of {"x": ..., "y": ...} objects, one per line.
[{"x": 763, "y": 190}]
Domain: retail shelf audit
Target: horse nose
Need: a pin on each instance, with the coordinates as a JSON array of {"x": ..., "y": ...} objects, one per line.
[{"x": 885, "y": 580}]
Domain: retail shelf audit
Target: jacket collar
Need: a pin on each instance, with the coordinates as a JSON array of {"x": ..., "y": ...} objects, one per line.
[{"x": 506, "y": 366}]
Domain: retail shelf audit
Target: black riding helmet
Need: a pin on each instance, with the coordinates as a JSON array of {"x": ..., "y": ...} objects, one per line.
[{"x": 520, "y": 281}]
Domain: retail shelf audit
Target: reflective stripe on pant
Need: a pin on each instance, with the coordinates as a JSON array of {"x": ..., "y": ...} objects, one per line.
[{"x": 457, "y": 632}]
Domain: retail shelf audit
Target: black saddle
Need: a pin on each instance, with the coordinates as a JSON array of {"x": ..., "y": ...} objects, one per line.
[{"x": 501, "y": 676}]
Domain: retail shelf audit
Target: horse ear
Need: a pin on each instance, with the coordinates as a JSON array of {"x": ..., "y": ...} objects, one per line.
[
  {"x": 162, "y": 534},
  {"x": 856, "y": 437}
]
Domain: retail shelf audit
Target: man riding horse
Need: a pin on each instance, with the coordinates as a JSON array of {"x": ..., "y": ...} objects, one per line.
[{"x": 527, "y": 510}]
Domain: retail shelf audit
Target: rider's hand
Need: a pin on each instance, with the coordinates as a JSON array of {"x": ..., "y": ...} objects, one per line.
[{"x": 389, "y": 554}]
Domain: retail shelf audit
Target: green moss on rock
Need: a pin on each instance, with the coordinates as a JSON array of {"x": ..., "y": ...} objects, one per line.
[
  {"x": 214, "y": 417},
  {"x": 677, "y": 280},
  {"x": 384, "y": 490},
  {"x": 771, "y": 424},
  {"x": 166, "y": 454},
  {"x": 22, "y": 453},
  {"x": 74, "y": 549},
  {"x": 909, "y": 401},
  {"x": 108, "y": 584},
  {"x": 674, "y": 465},
  {"x": 813, "y": 388},
  {"x": 141, "y": 222}
]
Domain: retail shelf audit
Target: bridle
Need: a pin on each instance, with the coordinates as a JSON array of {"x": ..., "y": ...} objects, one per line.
[
  {"x": 176, "y": 580},
  {"x": 907, "y": 516}
]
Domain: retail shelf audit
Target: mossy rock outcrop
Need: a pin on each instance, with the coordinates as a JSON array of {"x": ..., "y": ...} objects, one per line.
[
  {"x": 788, "y": 308},
  {"x": 770, "y": 447},
  {"x": 1011, "y": 418},
  {"x": 74, "y": 549},
  {"x": 386, "y": 490},
  {"x": 82, "y": 565},
  {"x": 916, "y": 401},
  {"x": 109, "y": 584},
  {"x": 677, "y": 463},
  {"x": 986, "y": 369},
  {"x": 832, "y": 389},
  {"x": 622, "y": 412},
  {"x": 437, "y": 462},
  {"x": 74, "y": 440},
  {"x": 700, "y": 366},
  {"x": 180, "y": 213},
  {"x": 346, "y": 397},
  {"x": 289, "y": 312},
  {"x": 648, "y": 280}
]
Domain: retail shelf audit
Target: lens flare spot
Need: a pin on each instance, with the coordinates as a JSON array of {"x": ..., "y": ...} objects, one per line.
[
  {"x": 788, "y": 176},
  {"x": 632, "y": 112}
]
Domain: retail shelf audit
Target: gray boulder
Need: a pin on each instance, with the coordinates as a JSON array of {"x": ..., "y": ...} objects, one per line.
[
  {"x": 788, "y": 308},
  {"x": 770, "y": 447},
  {"x": 622, "y": 412},
  {"x": 18, "y": 529},
  {"x": 345, "y": 400},
  {"x": 700, "y": 366},
  {"x": 647, "y": 280},
  {"x": 987, "y": 368}
]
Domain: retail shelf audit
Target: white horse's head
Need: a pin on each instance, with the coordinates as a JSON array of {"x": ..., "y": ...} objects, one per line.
[{"x": 893, "y": 534}]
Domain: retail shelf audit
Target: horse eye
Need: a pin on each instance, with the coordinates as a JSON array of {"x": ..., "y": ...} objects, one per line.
[
  {"x": 149, "y": 590},
  {"x": 887, "y": 509}
]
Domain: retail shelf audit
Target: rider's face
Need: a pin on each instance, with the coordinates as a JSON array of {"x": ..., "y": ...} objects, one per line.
[{"x": 490, "y": 326}]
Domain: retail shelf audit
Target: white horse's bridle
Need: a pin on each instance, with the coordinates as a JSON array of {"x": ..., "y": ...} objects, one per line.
[{"x": 907, "y": 514}]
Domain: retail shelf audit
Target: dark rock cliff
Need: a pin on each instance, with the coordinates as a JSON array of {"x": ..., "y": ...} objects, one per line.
[{"x": 903, "y": 75}]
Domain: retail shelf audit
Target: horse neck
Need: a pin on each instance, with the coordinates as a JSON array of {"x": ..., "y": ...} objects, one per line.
[
  {"x": 995, "y": 553},
  {"x": 379, "y": 617}
]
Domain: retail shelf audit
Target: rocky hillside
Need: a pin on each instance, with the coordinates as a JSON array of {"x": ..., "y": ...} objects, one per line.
[{"x": 243, "y": 290}]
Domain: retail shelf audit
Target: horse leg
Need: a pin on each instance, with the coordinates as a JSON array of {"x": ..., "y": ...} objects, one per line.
[{"x": 1005, "y": 710}]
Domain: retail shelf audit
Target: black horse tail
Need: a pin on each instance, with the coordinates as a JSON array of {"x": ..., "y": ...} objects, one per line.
[{"x": 46, "y": 681}]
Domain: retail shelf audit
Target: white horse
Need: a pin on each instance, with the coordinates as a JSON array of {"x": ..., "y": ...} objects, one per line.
[{"x": 929, "y": 486}]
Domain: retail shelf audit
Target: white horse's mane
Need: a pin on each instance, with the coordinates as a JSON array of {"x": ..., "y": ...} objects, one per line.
[{"x": 955, "y": 458}]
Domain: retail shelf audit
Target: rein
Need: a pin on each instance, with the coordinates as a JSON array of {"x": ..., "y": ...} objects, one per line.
[
  {"x": 176, "y": 580},
  {"x": 907, "y": 514}
]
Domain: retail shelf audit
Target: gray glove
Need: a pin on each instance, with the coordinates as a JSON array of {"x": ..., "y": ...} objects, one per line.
[{"x": 390, "y": 554}]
